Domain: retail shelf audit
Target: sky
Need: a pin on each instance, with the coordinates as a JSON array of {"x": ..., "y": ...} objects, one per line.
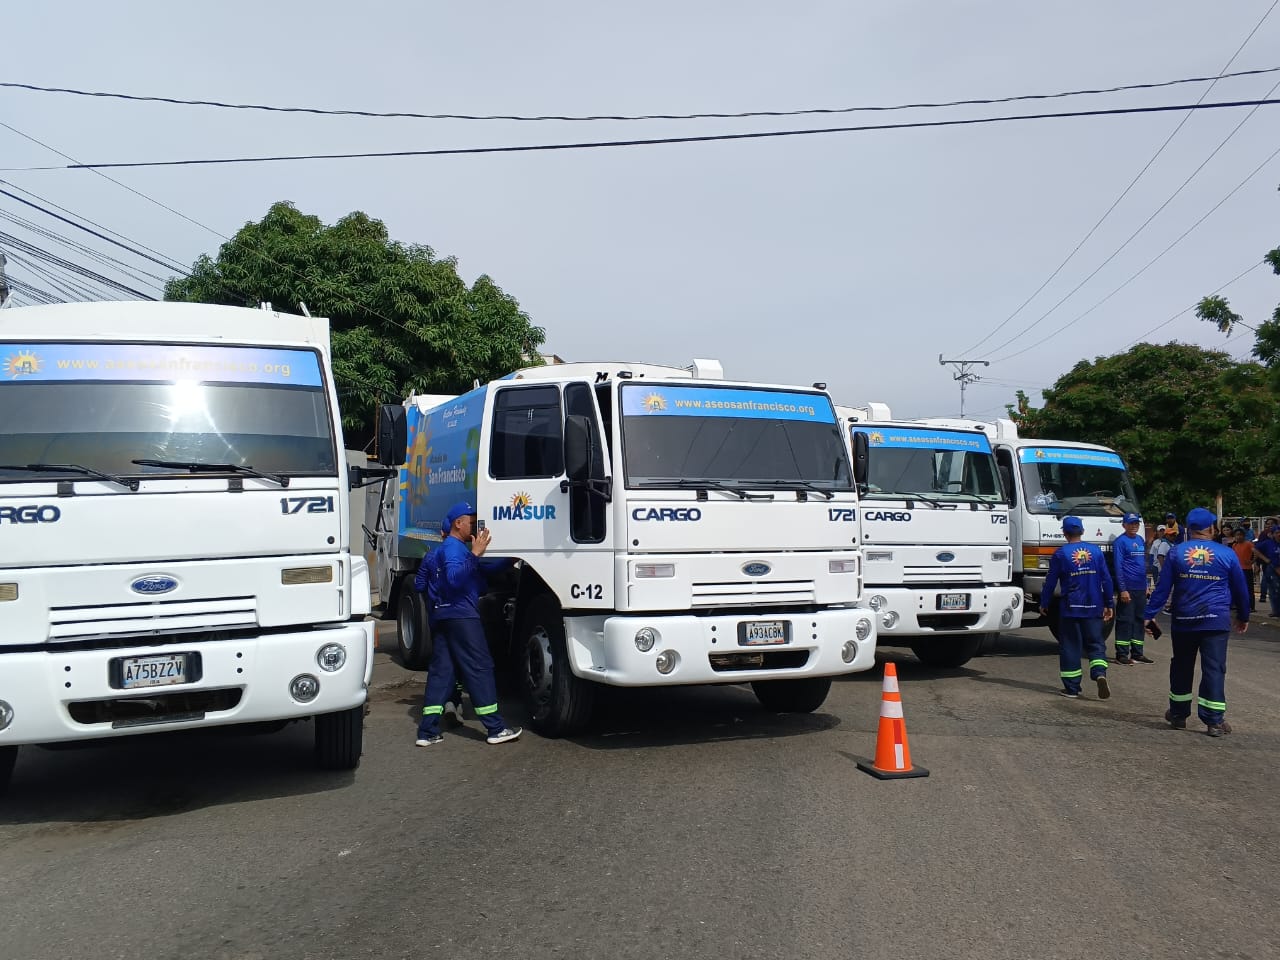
[{"x": 855, "y": 259}]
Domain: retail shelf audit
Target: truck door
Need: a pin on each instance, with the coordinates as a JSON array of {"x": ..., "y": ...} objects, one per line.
[{"x": 1011, "y": 479}]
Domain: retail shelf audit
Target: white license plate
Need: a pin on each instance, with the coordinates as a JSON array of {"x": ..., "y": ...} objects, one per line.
[
  {"x": 158, "y": 671},
  {"x": 953, "y": 601},
  {"x": 759, "y": 633}
]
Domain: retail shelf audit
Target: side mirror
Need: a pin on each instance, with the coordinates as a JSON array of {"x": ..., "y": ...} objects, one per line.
[
  {"x": 577, "y": 448},
  {"x": 393, "y": 435},
  {"x": 860, "y": 461}
]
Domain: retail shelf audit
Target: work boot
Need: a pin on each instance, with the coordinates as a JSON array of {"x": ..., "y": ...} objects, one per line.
[
  {"x": 1142, "y": 658},
  {"x": 1127, "y": 661},
  {"x": 1178, "y": 723},
  {"x": 1218, "y": 729}
]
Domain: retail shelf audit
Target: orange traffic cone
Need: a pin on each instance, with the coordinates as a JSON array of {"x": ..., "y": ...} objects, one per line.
[{"x": 893, "y": 756}]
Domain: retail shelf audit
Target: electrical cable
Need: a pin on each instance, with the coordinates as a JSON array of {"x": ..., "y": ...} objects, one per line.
[
  {"x": 44, "y": 255},
  {"x": 655, "y": 141},
  {"x": 106, "y": 260},
  {"x": 808, "y": 111},
  {"x": 1186, "y": 310},
  {"x": 1222, "y": 74}
]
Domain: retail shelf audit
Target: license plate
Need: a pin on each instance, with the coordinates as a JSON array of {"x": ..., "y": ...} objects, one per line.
[
  {"x": 763, "y": 633},
  {"x": 953, "y": 601},
  {"x": 155, "y": 671}
]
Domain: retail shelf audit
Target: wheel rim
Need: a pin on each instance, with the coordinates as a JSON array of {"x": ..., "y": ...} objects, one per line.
[{"x": 538, "y": 666}]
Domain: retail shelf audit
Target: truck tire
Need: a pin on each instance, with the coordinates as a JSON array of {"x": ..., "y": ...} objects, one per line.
[
  {"x": 559, "y": 703},
  {"x": 1055, "y": 614},
  {"x": 413, "y": 635},
  {"x": 947, "y": 653},
  {"x": 340, "y": 739},
  {"x": 8, "y": 756},
  {"x": 792, "y": 696}
]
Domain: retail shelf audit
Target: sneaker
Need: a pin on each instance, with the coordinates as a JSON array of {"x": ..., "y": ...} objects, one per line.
[
  {"x": 1142, "y": 658},
  {"x": 428, "y": 741},
  {"x": 453, "y": 713},
  {"x": 1218, "y": 729},
  {"x": 1177, "y": 723},
  {"x": 503, "y": 735},
  {"x": 1104, "y": 688},
  {"x": 1068, "y": 694},
  {"x": 1127, "y": 661}
]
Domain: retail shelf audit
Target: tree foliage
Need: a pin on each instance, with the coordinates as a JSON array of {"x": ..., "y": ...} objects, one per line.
[
  {"x": 1189, "y": 422},
  {"x": 401, "y": 317}
]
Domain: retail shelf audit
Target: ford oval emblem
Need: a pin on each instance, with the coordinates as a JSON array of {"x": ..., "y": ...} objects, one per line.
[
  {"x": 150, "y": 586},
  {"x": 756, "y": 569},
  {"x": 945, "y": 557}
]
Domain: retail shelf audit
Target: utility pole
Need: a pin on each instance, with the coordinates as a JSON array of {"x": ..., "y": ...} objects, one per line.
[
  {"x": 964, "y": 374},
  {"x": 4, "y": 282}
]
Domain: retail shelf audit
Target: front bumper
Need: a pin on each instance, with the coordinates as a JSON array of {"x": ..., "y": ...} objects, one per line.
[
  {"x": 909, "y": 612},
  {"x": 707, "y": 650},
  {"x": 249, "y": 678}
]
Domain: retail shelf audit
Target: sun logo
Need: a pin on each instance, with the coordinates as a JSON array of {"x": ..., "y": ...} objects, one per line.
[
  {"x": 1199, "y": 557},
  {"x": 522, "y": 500},
  {"x": 654, "y": 403},
  {"x": 1080, "y": 557},
  {"x": 1040, "y": 454},
  {"x": 875, "y": 437},
  {"x": 21, "y": 365}
]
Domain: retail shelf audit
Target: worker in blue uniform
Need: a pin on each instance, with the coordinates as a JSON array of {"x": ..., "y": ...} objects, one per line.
[
  {"x": 1129, "y": 551},
  {"x": 1205, "y": 579},
  {"x": 460, "y": 646},
  {"x": 1088, "y": 601}
]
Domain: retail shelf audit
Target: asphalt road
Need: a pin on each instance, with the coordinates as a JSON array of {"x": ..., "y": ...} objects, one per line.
[{"x": 692, "y": 824}]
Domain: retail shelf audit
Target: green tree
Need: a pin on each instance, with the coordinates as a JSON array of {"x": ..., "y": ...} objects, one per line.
[
  {"x": 1266, "y": 345},
  {"x": 1189, "y": 422},
  {"x": 401, "y": 317}
]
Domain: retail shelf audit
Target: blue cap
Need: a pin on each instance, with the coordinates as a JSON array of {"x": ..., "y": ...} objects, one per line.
[
  {"x": 1201, "y": 519},
  {"x": 1072, "y": 525},
  {"x": 462, "y": 509},
  {"x": 1171, "y": 516},
  {"x": 1132, "y": 518}
]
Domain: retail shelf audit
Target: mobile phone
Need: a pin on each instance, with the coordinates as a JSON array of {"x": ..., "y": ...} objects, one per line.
[{"x": 479, "y": 524}]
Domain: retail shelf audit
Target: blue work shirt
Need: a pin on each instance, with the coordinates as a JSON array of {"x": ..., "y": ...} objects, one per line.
[
  {"x": 1131, "y": 563},
  {"x": 1268, "y": 548},
  {"x": 1081, "y": 569},
  {"x": 459, "y": 579},
  {"x": 1205, "y": 579}
]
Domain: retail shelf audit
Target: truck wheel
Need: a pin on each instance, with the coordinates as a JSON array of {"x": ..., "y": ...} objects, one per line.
[
  {"x": 412, "y": 633},
  {"x": 340, "y": 739},
  {"x": 558, "y": 702},
  {"x": 8, "y": 756},
  {"x": 947, "y": 653},
  {"x": 792, "y": 696}
]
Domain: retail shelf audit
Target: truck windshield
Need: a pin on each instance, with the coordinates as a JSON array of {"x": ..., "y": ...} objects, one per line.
[
  {"x": 952, "y": 465},
  {"x": 104, "y": 405},
  {"x": 1067, "y": 480},
  {"x": 744, "y": 436}
]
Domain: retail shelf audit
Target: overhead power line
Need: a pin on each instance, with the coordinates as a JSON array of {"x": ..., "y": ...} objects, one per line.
[
  {"x": 655, "y": 141},
  {"x": 802, "y": 112},
  {"x": 19, "y": 245},
  {"x": 1222, "y": 74}
]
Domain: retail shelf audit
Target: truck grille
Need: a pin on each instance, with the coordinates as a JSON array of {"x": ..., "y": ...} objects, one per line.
[
  {"x": 165, "y": 616},
  {"x": 741, "y": 592},
  {"x": 948, "y": 574}
]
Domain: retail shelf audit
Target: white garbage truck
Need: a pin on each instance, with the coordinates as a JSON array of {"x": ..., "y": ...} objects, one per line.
[
  {"x": 670, "y": 527},
  {"x": 174, "y": 547},
  {"x": 1047, "y": 480},
  {"x": 938, "y": 567}
]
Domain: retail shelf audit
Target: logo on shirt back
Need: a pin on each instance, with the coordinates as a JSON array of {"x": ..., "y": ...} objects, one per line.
[
  {"x": 1080, "y": 556},
  {"x": 1199, "y": 557}
]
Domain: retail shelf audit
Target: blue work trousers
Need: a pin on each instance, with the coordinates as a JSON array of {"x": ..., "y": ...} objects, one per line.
[
  {"x": 1129, "y": 625},
  {"x": 460, "y": 649},
  {"x": 1271, "y": 588},
  {"x": 1077, "y": 637},
  {"x": 1211, "y": 645}
]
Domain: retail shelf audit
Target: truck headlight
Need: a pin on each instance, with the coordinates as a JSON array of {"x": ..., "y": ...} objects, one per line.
[
  {"x": 863, "y": 629},
  {"x": 8, "y": 591},
  {"x": 6, "y": 714},
  {"x": 646, "y": 637},
  {"x": 879, "y": 556},
  {"x": 842, "y": 566},
  {"x": 304, "y": 688},
  {"x": 331, "y": 657},
  {"x": 999, "y": 556},
  {"x": 655, "y": 571},
  {"x": 849, "y": 652},
  {"x": 877, "y": 603},
  {"x": 666, "y": 661},
  {"x": 296, "y": 575},
  {"x": 1016, "y": 602},
  {"x": 889, "y": 619}
]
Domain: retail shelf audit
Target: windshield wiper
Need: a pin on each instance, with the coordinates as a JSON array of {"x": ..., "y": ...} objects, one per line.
[
  {"x": 794, "y": 484},
  {"x": 684, "y": 483},
  {"x": 198, "y": 467},
  {"x": 936, "y": 504},
  {"x": 70, "y": 468}
]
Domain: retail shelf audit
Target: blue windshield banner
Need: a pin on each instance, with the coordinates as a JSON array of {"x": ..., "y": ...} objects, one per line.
[
  {"x": 642, "y": 400},
  {"x": 158, "y": 363},
  {"x": 1088, "y": 458},
  {"x": 925, "y": 439}
]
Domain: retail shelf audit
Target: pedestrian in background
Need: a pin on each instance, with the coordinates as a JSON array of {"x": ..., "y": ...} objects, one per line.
[
  {"x": 1205, "y": 580},
  {"x": 460, "y": 646},
  {"x": 1088, "y": 601},
  {"x": 1130, "y": 554},
  {"x": 1268, "y": 549},
  {"x": 1246, "y": 553}
]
